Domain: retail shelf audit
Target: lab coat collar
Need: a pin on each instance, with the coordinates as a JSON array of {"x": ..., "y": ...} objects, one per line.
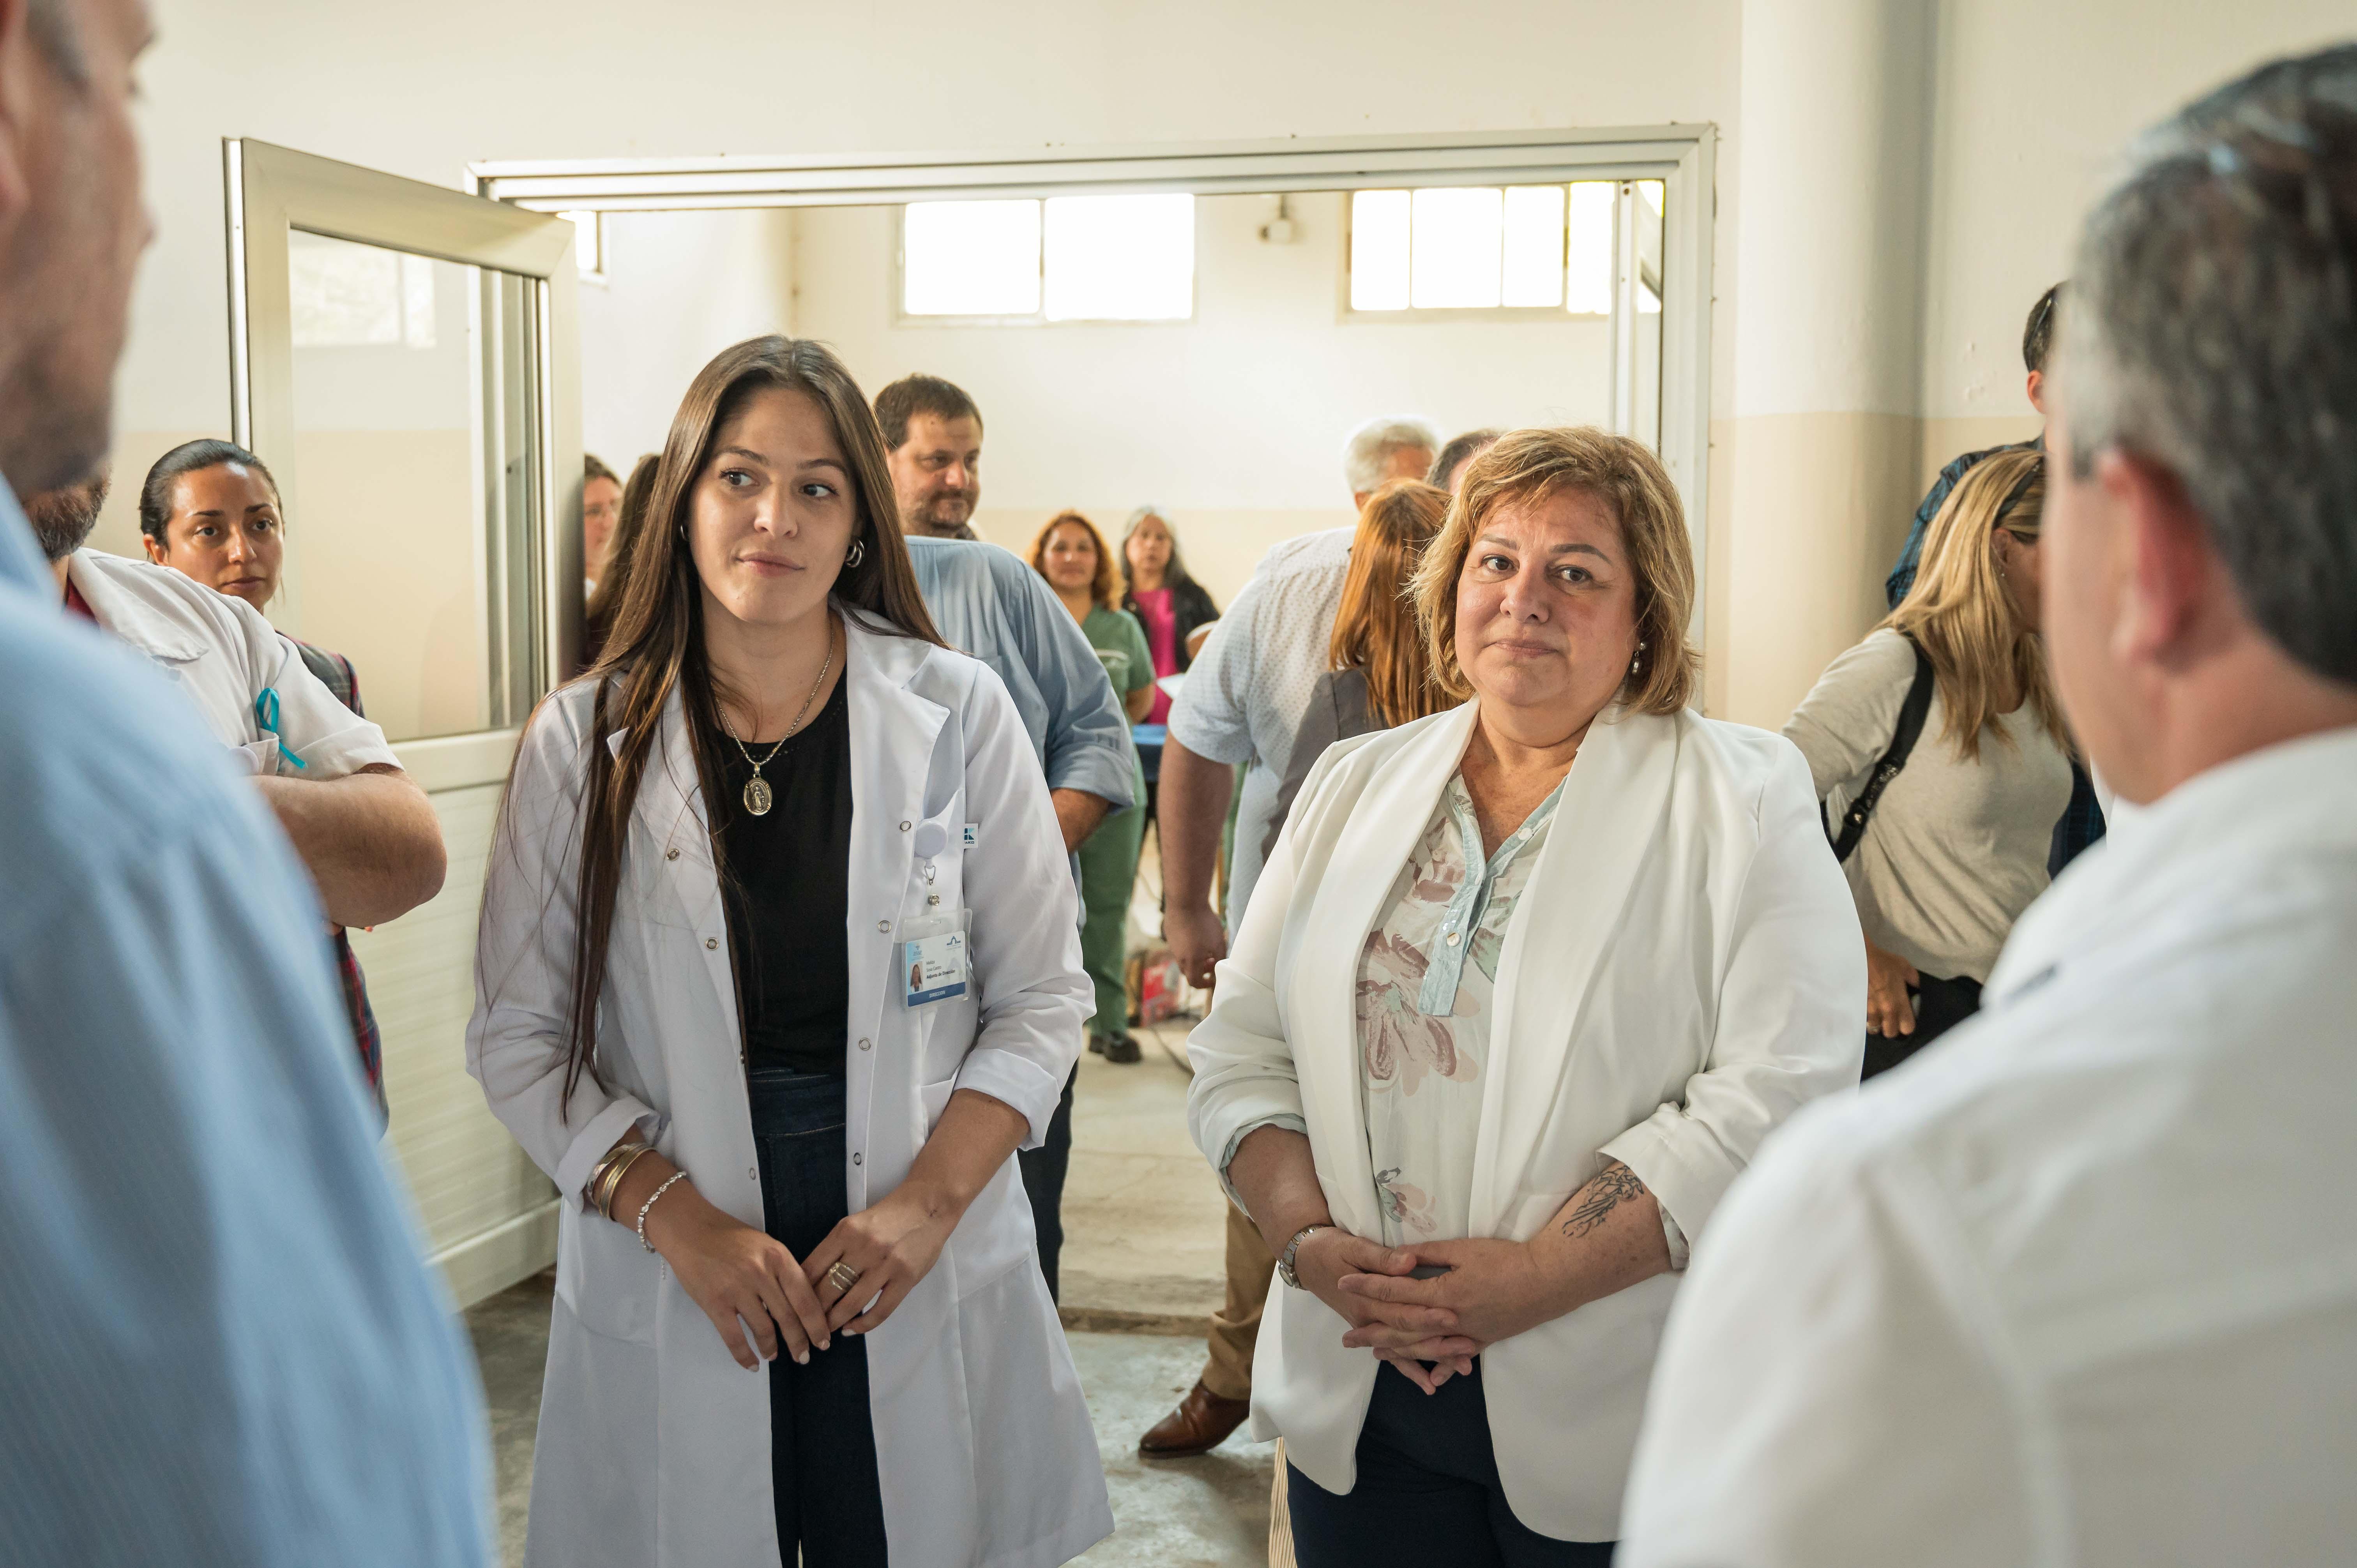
[
  {"x": 2215, "y": 831},
  {"x": 128, "y": 617},
  {"x": 871, "y": 654},
  {"x": 1610, "y": 813}
]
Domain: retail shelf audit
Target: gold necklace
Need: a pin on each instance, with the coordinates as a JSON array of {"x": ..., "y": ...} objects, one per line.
[{"x": 757, "y": 797}]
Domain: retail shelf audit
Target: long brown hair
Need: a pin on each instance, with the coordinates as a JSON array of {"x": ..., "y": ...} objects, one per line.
[
  {"x": 630, "y": 519},
  {"x": 1985, "y": 659},
  {"x": 656, "y": 647},
  {"x": 1376, "y": 631},
  {"x": 1105, "y": 588}
]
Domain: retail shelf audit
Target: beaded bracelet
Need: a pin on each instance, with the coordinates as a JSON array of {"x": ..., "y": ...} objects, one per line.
[{"x": 647, "y": 1207}]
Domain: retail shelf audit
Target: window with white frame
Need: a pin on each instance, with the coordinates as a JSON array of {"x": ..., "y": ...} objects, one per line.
[
  {"x": 1064, "y": 258},
  {"x": 1516, "y": 247}
]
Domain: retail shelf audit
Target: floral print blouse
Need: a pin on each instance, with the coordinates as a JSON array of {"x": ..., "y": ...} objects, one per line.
[{"x": 1423, "y": 1006}]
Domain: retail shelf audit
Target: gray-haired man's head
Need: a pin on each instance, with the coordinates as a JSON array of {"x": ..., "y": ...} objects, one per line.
[
  {"x": 1394, "y": 447},
  {"x": 2201, "y": 539},
  {"x": 2211, "y": 326}
]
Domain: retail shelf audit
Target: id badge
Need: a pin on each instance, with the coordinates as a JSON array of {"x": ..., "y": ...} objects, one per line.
[{"x": 934, "y": 960}]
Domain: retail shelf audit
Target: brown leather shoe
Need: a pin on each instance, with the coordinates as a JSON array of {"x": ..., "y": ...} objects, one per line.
[{"x": 1200, "y": 1424}]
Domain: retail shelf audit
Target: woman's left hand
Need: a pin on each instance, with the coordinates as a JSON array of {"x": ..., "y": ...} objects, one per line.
[
  {"x": 1497, "y": 1289},
  {"x": 893, "y": 1244}
]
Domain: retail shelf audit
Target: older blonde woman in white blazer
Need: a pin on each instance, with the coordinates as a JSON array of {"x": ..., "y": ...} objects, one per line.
[
  {"x": 797, "y": 1316},
  {"x": 1522, "y": 989}
]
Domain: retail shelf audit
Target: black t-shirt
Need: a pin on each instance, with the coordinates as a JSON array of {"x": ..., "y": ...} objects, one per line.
[{"x": 785, "y": 881}]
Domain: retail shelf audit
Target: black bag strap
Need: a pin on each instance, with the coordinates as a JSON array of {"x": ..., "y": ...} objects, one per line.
[{"x": 1911, "y": 713}]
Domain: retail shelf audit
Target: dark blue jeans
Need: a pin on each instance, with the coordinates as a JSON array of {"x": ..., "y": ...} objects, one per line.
[
  {"x": 1043, "y": 1171},
  {"x": 1427, "y": 1492},
  {"x": 821, "y": 1440}
]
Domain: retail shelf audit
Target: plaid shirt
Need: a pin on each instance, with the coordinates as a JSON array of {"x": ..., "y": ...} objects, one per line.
[{"x": 336, "y": 672}]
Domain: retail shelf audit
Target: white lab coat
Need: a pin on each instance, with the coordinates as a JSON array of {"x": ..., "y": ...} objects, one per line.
[
  {"x": 1683, "y": 969},
  {"x": 2077, "y": 1283},
  {"x": 654, "y": 1445},
  {"x": 222, "y": 656}
]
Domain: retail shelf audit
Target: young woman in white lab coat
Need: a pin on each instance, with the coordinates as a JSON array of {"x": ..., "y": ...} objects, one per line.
[{"x": 805, "y": 1318}]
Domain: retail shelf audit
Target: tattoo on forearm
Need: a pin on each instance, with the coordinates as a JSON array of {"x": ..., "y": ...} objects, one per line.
[{"x": 1615, "y": 1185}]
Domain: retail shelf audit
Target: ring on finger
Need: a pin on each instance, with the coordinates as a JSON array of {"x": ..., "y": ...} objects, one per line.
[{"x": 842, "y": 1276}]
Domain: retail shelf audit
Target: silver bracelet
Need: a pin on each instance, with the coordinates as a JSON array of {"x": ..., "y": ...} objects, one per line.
[{"x": 648, "y": 1206}]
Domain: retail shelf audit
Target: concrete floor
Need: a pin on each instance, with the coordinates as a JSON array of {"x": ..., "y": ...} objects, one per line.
[{"x": 1144, "y": 1222}]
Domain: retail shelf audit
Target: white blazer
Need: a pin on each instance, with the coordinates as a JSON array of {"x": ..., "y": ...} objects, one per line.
[
  {"x": 654, "y": 1445},
  {"x": 1683, "y": 971}
]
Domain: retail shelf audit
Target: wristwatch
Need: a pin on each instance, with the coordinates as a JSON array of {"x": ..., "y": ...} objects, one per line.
[{"x": 1285, "y": 1259}]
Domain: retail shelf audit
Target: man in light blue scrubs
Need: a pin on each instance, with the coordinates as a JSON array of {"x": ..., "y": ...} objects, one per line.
[{"x": 221, "y": 1346}]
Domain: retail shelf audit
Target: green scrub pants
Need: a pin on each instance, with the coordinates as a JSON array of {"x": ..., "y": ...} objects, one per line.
[{"x": 1108, "y": 874}]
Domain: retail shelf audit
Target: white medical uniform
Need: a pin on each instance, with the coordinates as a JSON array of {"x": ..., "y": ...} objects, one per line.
[
  {"x": 2078, "y": 1285},
  {"x": 223, "y": 656}
]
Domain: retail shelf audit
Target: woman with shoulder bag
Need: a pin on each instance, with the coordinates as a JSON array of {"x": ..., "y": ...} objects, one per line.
[
  {"x": 797, "y": 1315},
  {"x": 1953, "y": 847}
]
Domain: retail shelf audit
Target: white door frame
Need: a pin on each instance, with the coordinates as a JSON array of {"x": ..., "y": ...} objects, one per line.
[
  {"x": 1682, "y": 156},
  {"x": 272, "y": 189},
  {"x": 490, "y": 1217}
]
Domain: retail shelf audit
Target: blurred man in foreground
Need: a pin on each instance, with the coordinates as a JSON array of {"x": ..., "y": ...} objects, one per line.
[{"x": 222, "y": 1348}]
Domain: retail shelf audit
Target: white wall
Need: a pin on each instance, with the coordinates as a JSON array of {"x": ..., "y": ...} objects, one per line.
[
  {"x": 1235, "y": 419},
  {"x": 2034, "y": 104},
  {"x": 682, "y": 287},
  {"x": 2027, "y": 105},
  {"x": 423, "y": 89}
]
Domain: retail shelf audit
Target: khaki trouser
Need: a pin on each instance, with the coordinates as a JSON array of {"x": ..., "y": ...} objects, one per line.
[
  {"x": 1280, "y": 1517},
  {"x": 1236, "y": 1326}
]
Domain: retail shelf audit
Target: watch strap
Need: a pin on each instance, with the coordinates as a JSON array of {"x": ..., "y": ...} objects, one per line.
[{"x": 1285, "y": 1259}]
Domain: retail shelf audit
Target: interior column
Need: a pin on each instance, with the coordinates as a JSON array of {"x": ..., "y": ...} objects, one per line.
[{"x": 1833, "y": 143}]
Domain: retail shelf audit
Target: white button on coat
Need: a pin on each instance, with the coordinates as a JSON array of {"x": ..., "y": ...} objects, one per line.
[{"x": 655, "y": 1445}]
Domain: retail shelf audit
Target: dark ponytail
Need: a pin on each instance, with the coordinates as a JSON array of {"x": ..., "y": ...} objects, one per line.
[{"x": 191, "y": 458}]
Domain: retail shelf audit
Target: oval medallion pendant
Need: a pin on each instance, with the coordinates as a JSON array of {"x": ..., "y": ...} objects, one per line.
[{"x": 757, "y": 796}]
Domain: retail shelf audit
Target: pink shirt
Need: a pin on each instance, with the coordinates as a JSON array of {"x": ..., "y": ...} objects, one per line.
[{"x": 1161, "y": 621}]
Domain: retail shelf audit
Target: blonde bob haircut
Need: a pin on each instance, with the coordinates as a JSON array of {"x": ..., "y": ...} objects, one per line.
[
  {"x": 1529, "y": 465},
  {"x": 1986, "y": 662}
]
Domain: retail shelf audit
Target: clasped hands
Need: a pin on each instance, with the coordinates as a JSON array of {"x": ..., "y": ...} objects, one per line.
[
  {"x": 1493, "y": 1290},
  {"x": 746, "y": 1280}
]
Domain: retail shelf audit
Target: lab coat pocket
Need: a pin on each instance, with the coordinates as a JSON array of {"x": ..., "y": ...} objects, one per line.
[
  {"x": 935, "y": 1097},
  {"x": 606, "y": 1277}
]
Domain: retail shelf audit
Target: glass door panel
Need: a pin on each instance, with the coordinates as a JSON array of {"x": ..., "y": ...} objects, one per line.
[{"x": 388, "y": 559}]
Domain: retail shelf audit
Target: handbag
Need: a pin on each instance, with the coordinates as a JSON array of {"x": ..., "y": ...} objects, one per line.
[{"x": 1911, "y": 713}]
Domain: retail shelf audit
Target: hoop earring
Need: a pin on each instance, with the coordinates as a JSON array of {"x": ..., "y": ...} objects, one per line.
[{"x": 856, "y": 554}]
